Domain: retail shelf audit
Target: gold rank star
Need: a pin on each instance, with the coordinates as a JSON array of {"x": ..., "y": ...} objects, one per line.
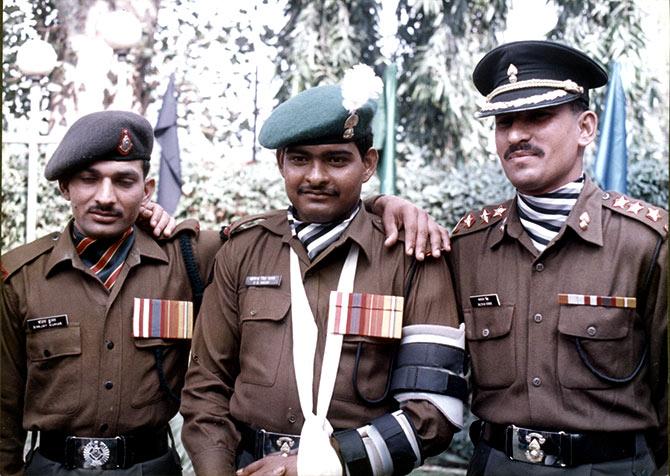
[
  {"x": 653, "y": 214},
  {"x": 635, "y": 207},
  {"x": 621, "y": 202},
  {"x": 469, "y": 220},
  {"x": 484, "y": 216},
  {"x": 499, "y": 211}
]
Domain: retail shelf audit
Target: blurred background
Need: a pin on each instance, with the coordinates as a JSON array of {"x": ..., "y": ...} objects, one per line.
[{"x": 216, "y": 70}]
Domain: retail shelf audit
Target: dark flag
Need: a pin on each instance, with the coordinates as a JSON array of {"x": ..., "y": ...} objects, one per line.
[
  {"x": 610, "y": 167},
  {"x": 169, "y": 179}
]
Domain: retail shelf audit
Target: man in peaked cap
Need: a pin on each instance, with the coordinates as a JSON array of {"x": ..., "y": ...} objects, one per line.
[
  {"x": 563, "y": 288},
  {"x": 78, "y": 370},
  {"x": 317, "y": 349}
]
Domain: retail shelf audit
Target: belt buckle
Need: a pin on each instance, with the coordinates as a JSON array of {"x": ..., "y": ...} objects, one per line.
[
  {"x": 530, "y": 446},
  {"x": 95, "y": 453},
  {"x": 269, "y": 442}
]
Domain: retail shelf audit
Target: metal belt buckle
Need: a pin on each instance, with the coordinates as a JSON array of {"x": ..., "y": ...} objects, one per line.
[
  {"x": 95, "y": 453},
  {"x": 536, "y": 447},
  {"x": 269, "y": 442}
]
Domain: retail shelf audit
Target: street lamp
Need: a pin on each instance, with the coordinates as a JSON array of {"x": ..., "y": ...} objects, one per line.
[
  {"x": 35, "y": 59},
  {"x": 122, "y": 30}
]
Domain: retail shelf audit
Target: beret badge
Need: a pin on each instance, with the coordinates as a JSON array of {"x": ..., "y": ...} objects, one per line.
[
  {"x": 125, "y": 144},
  {"x": 359, "y": 85}
]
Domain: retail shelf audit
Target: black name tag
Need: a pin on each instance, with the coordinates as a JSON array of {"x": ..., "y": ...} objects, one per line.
[
  {"x": 51, "y": 322},
  {"x": 485, "y": 300},
  {"x": 273, "y": 281}
]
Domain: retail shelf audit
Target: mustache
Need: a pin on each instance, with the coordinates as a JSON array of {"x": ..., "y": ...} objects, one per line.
[
  {"x": 524, "y": 146},
  {"x": 318, "y": 190},
  {"x": 105, "y": 210}
]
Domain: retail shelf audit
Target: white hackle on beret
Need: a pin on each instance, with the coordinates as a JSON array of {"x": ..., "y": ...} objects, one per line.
[{"x": 359, "y": 85}]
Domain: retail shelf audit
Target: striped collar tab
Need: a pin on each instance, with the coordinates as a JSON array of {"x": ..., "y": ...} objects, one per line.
[
  {"x": 543, "y": 216},
  {"x": 316, "y": 237},
  {"x": 104, "y": 258}
]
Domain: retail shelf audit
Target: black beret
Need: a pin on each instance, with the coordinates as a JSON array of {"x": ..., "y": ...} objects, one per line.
[
  {"x": 105, "y": 135},
  {"x": 316, "y": 116},
  {"x": 526, "y": 75}
]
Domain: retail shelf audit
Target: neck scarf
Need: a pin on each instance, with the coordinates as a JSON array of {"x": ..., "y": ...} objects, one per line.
[
  {"x": 316, "y": 237},
  {"x": 543, "y": 216},
  {"x": 104, "y": 258}
]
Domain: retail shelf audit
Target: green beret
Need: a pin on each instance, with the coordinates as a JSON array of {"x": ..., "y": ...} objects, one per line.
[
  {"x": 106, "y": 135},
  {"x": 316, "y": 116}
]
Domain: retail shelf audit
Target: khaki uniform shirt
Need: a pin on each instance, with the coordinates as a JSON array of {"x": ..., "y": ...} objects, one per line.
[
  {"x": 526, "y": 369},
  {"x": 242, "y": 364},
  {"x": 92, "y": 377}
]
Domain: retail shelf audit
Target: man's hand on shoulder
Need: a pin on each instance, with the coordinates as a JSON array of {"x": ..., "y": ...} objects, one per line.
[
  {"x": 155, "y": 219},
  {"x": 423, "y": 235}
]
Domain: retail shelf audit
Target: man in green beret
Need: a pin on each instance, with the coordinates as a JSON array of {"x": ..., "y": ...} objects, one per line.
[
  {"x": 96, "y": 319},
  {"x": 317, "y": 349},
  {"x": 563, "y": 288}
]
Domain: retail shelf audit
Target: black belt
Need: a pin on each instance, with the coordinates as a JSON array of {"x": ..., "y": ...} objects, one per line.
[
  {"x": 103, "y": 453},
  {"x": 261, "y": 443},
  {"x": 558, "y": 448}
]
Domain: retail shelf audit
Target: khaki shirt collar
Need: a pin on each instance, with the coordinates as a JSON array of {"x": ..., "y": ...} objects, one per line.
[
  {"x": 588, "y": 205},
  {"x": 360, "y": 230},
  {"x": 64, "y": 250}
]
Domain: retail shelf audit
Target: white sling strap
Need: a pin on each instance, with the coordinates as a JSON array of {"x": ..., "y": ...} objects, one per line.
[{"x": 316, "y": 455}]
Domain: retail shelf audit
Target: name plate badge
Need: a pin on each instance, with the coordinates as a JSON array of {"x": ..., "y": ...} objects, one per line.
[
  {"x": 485, "y": 300},
  {"x": 51, "y": 322},
  {"x": 270, "y": 281}
]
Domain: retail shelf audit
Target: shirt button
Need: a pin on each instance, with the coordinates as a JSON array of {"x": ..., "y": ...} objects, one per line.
[
  {"x": 110, "y": 344},
  {"x": 47, "y": 353},
  {"x": 591, "y": 330},
  {"x": 537, "y": 381},
  {"x": 486, "y": 332},
  {"x": 109, "y": 385},
  {"x": 252, "y": 313},
  {"x": 537, "y": 317},
  {"x": 104, "y": 427},
  {"x": 539, "y": 267}
]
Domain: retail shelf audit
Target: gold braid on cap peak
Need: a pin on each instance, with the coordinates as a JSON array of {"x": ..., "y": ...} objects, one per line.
[{"x": 566, "y": 85}]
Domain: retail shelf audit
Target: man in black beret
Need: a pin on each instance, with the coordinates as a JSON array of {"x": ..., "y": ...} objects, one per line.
[
  {"x": 294, "y": 362},
  {"x": 563, "y": 288},
  {"x": 96, "y": 319}
]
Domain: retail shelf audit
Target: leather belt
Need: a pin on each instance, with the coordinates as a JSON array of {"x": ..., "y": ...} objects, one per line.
[
  {"x": 261, "y": 443},
  {"x": 103, "y": 453},
  {"x": 551, "y": 448}
]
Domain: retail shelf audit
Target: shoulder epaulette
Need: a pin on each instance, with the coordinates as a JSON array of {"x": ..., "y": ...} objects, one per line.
[
  {"x": 479, "y": 219},
  {"x": 189, "y": 225},
  {"x": 652, "y": 216},
  {"x": 246, "y": 223},
  {"x": 15, "y": 259}
]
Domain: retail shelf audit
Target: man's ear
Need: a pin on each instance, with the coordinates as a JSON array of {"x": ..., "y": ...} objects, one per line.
[
  {"x": 370, "y": 160},
  {"x": 588, "y": 127},
  {"x": 149, "y": 187},
  {"x": 280, "y": 160},
  {"x": 63, "y": 186}
]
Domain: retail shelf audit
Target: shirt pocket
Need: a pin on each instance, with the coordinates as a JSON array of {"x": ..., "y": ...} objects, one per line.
[
  {"x": 146, "y": 384},
  {"x": 54, "y": 381},
  {"x": 264, "y": 329},
  {"x": 606, "y": 338},
  {"x": 491, "y": 345},
  {"x": 375, "y": 362}
]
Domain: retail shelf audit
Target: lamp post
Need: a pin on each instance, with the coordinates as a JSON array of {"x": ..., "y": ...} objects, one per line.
[
  {"x": 122, "y": 30},
  {"x": 35, "y": 59}
]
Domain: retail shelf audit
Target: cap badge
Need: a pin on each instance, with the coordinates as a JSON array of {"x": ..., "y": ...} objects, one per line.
[
  {"x": 349, "y": 125},
  {"x": 125, "y": 144},
  {"x": 511, "y": 73}
]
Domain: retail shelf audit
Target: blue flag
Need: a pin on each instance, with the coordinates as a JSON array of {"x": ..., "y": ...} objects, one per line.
[
  {"x": 611, "y": 163},
  {"x": 169, "y": 178}
]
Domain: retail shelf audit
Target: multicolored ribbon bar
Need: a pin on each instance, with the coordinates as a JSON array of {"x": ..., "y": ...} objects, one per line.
[
  {"x": 605, "y": 301},
  {"x": 163, "y": 318},
  {"x": 373, "y": 315}
]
